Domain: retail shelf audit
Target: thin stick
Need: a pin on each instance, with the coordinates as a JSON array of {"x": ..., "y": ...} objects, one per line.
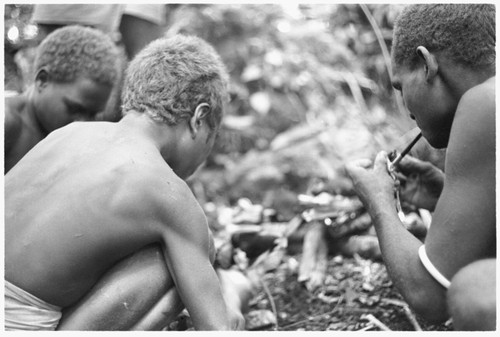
[
  {"x": 409, "y": 314},
  {"x": 376, "y": 322},
  {"x": 406, "y": 150},
  {"x": 271, "y": 300},
  {"x": 317, "y": 316},
  {"x": 367, "y": 327},
  {"x": 396, "y": 302},
  {"x": 385, "y": 51},
  {"x": 412, "y": 318}
]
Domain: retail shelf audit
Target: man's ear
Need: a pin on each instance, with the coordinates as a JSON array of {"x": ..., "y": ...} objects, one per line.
[
  {"x": 201, "y": 111},
  {"x": 42, "y": 78},
  {"x": 430, "y": 62}
]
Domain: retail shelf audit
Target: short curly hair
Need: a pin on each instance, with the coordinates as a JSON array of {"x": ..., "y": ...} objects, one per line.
[
  {"x": 171, "y": 76},
  {"x": 73, "y": 51},
  {"x": 464, "y": 32}
]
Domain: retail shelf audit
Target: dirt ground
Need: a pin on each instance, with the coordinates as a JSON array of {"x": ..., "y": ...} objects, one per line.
[
  {"x": 357, "y": 296},
  {"x": 354, "y": 289}
]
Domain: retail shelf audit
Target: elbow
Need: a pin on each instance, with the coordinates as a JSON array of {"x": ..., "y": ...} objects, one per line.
[{"x": 435, "y": 314}]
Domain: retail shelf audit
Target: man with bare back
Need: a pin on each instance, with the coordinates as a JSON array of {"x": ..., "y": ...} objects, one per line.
[{"x": 101, "y": 230}]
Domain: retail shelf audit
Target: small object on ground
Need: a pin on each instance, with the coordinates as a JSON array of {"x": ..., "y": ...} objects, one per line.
[
  {"x": 253, "y": 243},
  {"x": 246, "y": 212},
  {"x": 366, "y": 246},
  {"x": 372, "y": 319},
  {"x": 357, "y": 225},
  {"x": 271, "y": 259},
  {"x": 411, "y": 317},
  {"x": 260, "y": 320},
  {"x": 314, "y": 262}
]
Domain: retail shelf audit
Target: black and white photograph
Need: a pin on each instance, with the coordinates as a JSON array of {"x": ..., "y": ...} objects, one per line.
[{"x": 263, "y": 167}]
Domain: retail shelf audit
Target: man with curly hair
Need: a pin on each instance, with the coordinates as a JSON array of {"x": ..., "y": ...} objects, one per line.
[
  {"x": 75, "y": 70},
  {"x": 443, "y": 63},
  {"x": 101, "y": 230}
]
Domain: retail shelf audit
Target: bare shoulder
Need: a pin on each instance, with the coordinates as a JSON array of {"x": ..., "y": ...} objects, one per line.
[
  {"x": 479, "y": 100},
  {"x": 166, "y": 196},
  {"x": 160, "y": 183},
  {"x": 470, "y": 156},
  {"x": 474, "y": 123}
]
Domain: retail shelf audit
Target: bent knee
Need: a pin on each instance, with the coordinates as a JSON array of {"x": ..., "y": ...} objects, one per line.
[{"x": 472, "y": 296}]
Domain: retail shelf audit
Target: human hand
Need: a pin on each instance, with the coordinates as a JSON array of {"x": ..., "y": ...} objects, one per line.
[
  {"x": 374, "y": 186},
  {"x": 421, "y": 182},
  {"x": 236, "y": 319},
  {"x": 237, "y": 289}
]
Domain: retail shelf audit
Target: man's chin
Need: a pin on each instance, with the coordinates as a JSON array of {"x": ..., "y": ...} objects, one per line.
[{"x": 438, "y": 142}]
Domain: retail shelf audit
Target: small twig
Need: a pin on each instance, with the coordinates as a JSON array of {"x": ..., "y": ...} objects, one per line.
[
  {"x": 367, "y": 327},
  {"x": 385, "y": 51},
  {"x": 411, "y": 318},
  {"x": 316, "y": 317},
  {"x": 392, "y": 301},
  {"x": 406, "y": 308},
  {"x": 357, "y": 310},
  {"x": 271, "y": 300},
  {"x": 376, "y": 322}
]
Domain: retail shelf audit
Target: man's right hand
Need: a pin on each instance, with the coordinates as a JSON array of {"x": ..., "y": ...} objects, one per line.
[{"x": 422, "y": 183}]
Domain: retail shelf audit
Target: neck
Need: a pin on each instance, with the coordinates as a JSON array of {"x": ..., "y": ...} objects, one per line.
[
  {"x": 144, "y": 127},
  {"x": 461, "y": 81},
  {"x": 30, "y": 112}
]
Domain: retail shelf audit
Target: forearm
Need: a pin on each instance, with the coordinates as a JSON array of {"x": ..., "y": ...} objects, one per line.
[
  {"x": 399, "y": 247},
  {"x": 400, "y": 253},
  {"x": 201, "y": 293}
]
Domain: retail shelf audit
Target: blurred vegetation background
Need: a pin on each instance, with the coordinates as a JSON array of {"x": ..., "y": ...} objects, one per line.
[{"x": 310, "y": 89}]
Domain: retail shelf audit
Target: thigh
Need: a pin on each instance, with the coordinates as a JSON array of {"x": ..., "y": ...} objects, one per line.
[{"x": 123, "y": 295}]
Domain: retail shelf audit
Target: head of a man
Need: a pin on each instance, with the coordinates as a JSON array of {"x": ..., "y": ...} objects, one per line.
[
  {"x": 75, "y": 70},
  {"x": 179, "y": 80},
  {"x": 464, "y": 33},
  {"x": 436, "y": 49}
]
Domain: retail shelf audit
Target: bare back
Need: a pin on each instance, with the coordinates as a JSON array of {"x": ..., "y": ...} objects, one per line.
[{"x": 77, "y": 205}]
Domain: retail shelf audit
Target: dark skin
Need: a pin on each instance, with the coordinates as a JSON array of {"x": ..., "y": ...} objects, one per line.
[
  {"x": 454, "y": 107},
  {"x": 136, "y": 33},
  {"x": 421, "y": 182},
  {"x": 137, "y": 293},
  {"x": 48, "y": 105},
  {"x": 124, "y": 197},
  {"x": 472, "y": 297}
]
